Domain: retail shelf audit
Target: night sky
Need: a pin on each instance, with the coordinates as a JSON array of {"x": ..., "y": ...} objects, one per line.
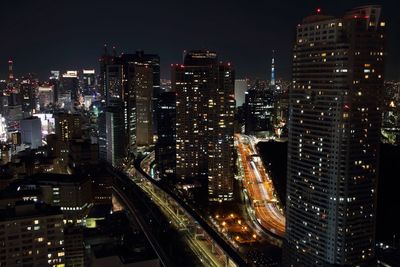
[{"x": 42, "y": 35}]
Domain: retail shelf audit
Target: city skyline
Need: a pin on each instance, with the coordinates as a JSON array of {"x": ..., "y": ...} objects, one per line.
[
  {"x": 214, "y": 134},
  {"x": 245, "y": 35}
]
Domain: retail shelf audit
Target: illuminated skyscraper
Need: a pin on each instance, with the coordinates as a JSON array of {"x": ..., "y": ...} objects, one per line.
[
  {"x": 11, "y": 71},
  {"x": 88, "y": 81},
  {"x": 28, "y": 96},
  {"x": 334, "y": 135},
  {"x": 204, "y": 122},
  {"x": 272, "y": 82},
  {"x": 45, "y": 95},
  {"x": 132, "y": 79},
  {"x": 115, "y": 146},
  {"x": 143, "y": 81},
  {"x": 67, "y": 127}
]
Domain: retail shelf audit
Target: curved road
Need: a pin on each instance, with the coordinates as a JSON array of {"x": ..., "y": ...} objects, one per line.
[{"x": 259, "y": 186}]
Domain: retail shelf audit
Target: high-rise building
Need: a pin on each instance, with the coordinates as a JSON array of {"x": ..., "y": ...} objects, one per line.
[
  {"x": 114, "y": 83},
  {"x": 259, "y": 107},
  {"x": 45, "y": 96},
  {"x": 241, "y": 86},
  {"x": 143, "y": 81},
  {"x": 28, "y": 96},
  {"x": 11, "y": 77},
  {"x": 115, "y": 135},
  {"x": 68, "y": 126},
  {"x": 132, "y": 79},
  {"x": 272, "y": 82},
  {"x": 54, "y": 80},
  {"x": 165, "y": 152},
  {"x": 3, "y": 129},
  {"x": 334, "y": 135},
  {"x": 205, "y": 108},
  {"x": 32, "y": 235},
  {"x": 69, "y": 92},
  {"x": 102, "y": 132},
  {"x": 88, "y": 81},
  {"x": 31, "y": 132},
  {"x": 105, "y": 60}
]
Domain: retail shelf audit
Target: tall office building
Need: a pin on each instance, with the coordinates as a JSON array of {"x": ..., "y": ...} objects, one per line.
[
  {"x": 45, "y": 96},
  {"x": 132, "y": 79},
  {"x": 114, "y": 79},
  {"x": 272, "y": 81},
  {"x": 69, "y": 88},
  {"x": 334, "y": 133},
  {"x": 105, "y": 60},
  {"x": 241, "y": 86},
  {"x": 88, "y": 81},
  {"x": 115, "y": 145},
  {"x": 68, "y": 126},
  {"x": 144, "y": 109},
  {"x": 259, "y": 108},
  {"x": 165, "y": 152},
  {"x": 31, "y": 132},
  {"x": 28, "y": 96},
  {"x": 205, "y": 107},
  {"x": 102, "y": 132},
  {"x": 11, "y": 77},
  {"x": 54, "y": 80}
]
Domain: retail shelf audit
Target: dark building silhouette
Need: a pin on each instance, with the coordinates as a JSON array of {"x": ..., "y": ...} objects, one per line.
[
  {"x": 165, "y": 152},
  {"x": 259, "y": 108}
]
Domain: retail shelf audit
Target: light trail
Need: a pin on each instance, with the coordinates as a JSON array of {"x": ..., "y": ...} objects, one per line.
[
  {"x": 259, "y": 187},
  {"x": 180, "y": 222}
]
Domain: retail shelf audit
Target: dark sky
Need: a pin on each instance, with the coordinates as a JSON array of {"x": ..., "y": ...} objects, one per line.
[{"x": 41, "y": 35}]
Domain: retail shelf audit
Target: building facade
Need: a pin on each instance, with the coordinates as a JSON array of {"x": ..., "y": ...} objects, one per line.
[
  {"x": 31, "y": 132},
  {"x": 334, "y": 135},
  {"x": 31, "y": 235},
  {"x": 165, "y": 152},
  {"x": 205, "y": 122},
  {"x": 132, "y": 79},
  {"x": 259, "y": 110}
]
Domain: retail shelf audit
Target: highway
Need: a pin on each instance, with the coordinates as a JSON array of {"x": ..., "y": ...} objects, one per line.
[
  {"x": 180, "y": 222},
  {"x": 259, "y": 187},
  {"x": 204, "y": 242}
]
